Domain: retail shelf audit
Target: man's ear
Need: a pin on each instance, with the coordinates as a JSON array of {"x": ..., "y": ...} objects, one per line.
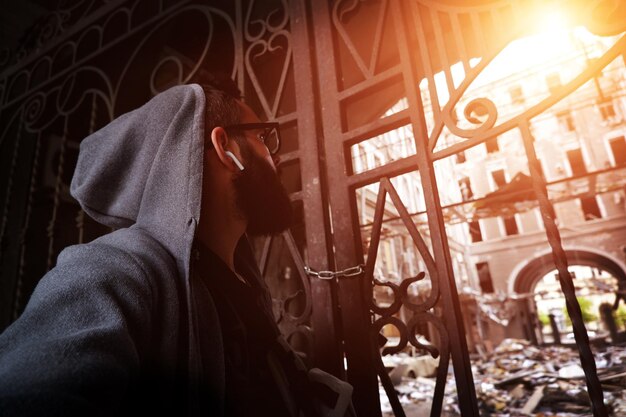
[{"x": 221, "y": 142}]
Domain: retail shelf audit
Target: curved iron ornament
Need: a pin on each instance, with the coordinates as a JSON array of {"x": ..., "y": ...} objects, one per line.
[
  {"x": 205, "y": 11},
  {"x": 50, "y": 27},
  {"x": 487, "y": 129},
  {"x": 401, "y": 297},
  {"x": 340, "y": 13},
  {"x": 292, "y": 324},
  {"x": 264, "y": 39}
]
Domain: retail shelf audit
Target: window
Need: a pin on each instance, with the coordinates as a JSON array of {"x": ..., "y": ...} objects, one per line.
[
  {"x": 474, "y": 230},
  {"x": 510, "y": 226},
  {"x": 517, "y": 94},
  {"x": 498, "y": 178},
  {"x": 576, "y": 162},
  {"x": 484, "y": 277},
  {"x": 553, "y": 81},
  {"x": 590, "y": 208},
  {"x": 618, "y": 149},
  {"x": 492, "y": 145},
  {"x": 606, "y": 108},
  {"x": 466, "y": 189},
  {"x": 566, "y": 121}
]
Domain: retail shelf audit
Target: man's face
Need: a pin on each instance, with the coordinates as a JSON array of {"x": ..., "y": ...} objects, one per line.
[{"x": 259, "y": 195}]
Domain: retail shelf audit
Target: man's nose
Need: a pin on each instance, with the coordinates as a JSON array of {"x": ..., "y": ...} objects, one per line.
[{"x": 273, "y": 161}]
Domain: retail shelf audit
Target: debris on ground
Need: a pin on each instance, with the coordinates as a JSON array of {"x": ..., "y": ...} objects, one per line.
[{"x": 518, "y": 379}]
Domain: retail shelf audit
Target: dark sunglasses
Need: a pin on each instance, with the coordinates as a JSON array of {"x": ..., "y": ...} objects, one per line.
[{"x": 269, "y": 135}]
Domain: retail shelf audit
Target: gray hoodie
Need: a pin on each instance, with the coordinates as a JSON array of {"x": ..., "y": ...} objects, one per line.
[{"x": 110, "y": 330}]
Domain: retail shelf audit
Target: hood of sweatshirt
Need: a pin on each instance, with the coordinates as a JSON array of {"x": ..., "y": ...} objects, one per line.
[{"x": 144, "y": 169}]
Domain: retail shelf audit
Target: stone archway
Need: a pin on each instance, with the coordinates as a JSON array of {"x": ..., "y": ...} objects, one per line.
[
  {"x": 528, "y": 277},
  {"x": 531, "y": 274}
]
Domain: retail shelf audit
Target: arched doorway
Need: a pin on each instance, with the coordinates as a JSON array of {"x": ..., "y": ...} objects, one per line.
[{"x": 597, "y": 279}]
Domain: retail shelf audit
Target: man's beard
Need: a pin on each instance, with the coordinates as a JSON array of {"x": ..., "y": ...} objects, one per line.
[{"x": 260, "y": 197}]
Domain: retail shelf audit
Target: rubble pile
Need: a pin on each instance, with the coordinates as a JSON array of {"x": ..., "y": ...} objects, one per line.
[{"x": 518, "y": 379}]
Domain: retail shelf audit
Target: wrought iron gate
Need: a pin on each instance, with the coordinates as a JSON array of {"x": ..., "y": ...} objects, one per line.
[
  {"x": 369, "y": 56},
  {"x": 328, "y": 72}
]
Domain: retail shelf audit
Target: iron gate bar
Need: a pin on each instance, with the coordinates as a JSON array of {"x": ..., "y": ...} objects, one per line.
[
  {"x": 372, "y": 81},
  {"x": 565, "y": 279},
  {"x": 391, "y": 169},
  {"x": 361, "y": 367},
  {"x": 377, "y": 126},
  {"x": 11, "y": 308},
  {"x": 441, "y": 253},
  {"x": 298, "y": 323},
  {"x": 328, "y": 355},
  {"x": 265, "y": 253}
]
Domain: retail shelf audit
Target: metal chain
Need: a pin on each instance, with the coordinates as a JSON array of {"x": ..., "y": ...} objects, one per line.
[{"x": 328, "y": 275}]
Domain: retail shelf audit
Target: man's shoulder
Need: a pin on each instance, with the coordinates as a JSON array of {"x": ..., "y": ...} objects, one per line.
[{"x": 129, "y": 250}]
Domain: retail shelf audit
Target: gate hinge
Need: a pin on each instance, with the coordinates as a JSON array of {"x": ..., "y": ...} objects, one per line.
[{"x": 348, "y": 272}]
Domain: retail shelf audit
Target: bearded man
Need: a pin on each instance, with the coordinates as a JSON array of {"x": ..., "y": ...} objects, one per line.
[{"x": 169, "y": 313}]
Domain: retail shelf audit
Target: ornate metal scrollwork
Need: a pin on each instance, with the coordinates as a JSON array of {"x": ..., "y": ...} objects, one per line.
[
  {"x": 34, "y": 108},
  {"x": 341, "y": 14},
  {"x": 268, "y": 39},
  {"x": 292, "y": 321},
  {"x": 49, "y": 28},
  {"x": 422, "y": 313}
]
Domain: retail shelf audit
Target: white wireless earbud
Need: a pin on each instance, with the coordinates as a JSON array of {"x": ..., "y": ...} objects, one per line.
[{"x": 235, "y": 160}]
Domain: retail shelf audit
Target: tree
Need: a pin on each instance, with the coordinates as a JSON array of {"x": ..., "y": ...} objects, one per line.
[{"x": 586, "y": 307}]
